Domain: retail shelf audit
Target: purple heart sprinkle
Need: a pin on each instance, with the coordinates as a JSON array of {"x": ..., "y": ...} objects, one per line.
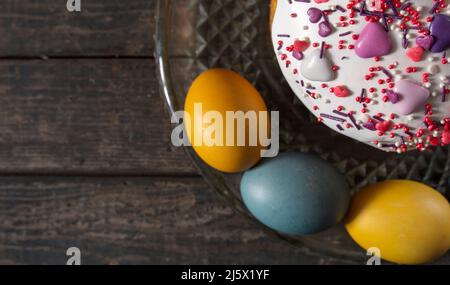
[
  {"x": 393, "y": 97},
  {"x": 325, "y": 29},
  {"x": 425, "y": 42},
  {"x": 370, "y": 126},
  {"x": 439, "y": 30},
  {"x": 315, "y": 15},
  {"x": 298, "y": 55}
]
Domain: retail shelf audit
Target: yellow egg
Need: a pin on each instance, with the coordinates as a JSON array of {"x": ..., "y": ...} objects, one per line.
[
  {"x": 407, "y": 221},
  {"x": 220, "y": 91},
  {"x": 273, "y": 8}
]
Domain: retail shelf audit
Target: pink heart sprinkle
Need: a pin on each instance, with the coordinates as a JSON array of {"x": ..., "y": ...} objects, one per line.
[
  {"x": 411, "y": 94},
  {"x": 341, "y": 91},
  {"x": 415, "y": 53},
  {"x": 373, "y": 41},
  {"x": 300, "y": 46},
  {"x": 384, "y": 126}
]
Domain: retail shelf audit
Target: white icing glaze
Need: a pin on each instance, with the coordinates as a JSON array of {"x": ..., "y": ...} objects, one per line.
[{"x": 289, "y": 25}]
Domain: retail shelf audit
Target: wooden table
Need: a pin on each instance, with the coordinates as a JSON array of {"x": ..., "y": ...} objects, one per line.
[{"x": 85, "y": 156}]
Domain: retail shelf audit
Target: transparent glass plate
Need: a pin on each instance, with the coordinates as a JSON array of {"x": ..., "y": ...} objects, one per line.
[{"x": 195, "y": 35}]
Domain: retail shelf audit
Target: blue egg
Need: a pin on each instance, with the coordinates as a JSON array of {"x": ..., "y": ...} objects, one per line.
[{"x": 296, "y": 193}]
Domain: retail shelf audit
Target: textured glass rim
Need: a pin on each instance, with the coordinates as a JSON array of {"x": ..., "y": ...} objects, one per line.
[{"x": 213, "y": 178}]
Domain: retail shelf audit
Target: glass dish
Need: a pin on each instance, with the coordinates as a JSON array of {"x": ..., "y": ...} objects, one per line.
[{"x": 194, "y": 35}]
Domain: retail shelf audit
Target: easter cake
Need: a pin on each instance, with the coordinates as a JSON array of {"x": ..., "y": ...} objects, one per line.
[{"x": 374, "y": 70}]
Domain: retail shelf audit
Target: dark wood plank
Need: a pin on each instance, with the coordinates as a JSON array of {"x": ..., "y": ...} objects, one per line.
[
  {"x": 113, "y": 28},
  {"x": 103, "y": 28},
  {"x": 129, "y": 221},
  {"x": 85, "y": 117}
]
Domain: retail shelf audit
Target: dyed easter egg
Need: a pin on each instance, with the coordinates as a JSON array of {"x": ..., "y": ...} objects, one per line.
[
  {"x": 214, "y": 95},
  {"x": 273, "y": 7},
  {"x": 407, "y": 221},
  {"x": 296, "y": 193},
  {"x": 395, "y": 75}
]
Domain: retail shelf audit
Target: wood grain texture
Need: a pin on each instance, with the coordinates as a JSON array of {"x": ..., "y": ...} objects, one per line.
[
  {"x": 76, "y": 117},
  {"x": 103, "y": 28},
  {"x": 129, "y": 221}
]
